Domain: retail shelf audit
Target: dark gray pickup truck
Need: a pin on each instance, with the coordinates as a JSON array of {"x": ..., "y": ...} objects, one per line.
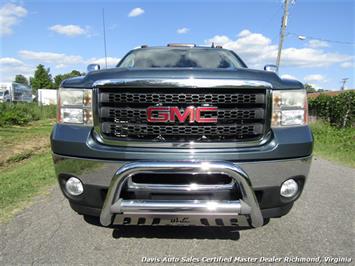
[{"x": 182, "y": 135}]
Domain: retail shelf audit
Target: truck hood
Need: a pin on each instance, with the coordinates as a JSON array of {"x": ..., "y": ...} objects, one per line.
[{"x": 179, "y": 73}]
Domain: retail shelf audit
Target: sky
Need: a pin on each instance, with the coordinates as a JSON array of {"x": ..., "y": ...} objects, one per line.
[{"x": 66, "y": 35}]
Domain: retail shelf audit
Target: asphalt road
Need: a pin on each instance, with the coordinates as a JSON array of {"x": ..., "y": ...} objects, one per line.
[{"x": 320, "y": 224}]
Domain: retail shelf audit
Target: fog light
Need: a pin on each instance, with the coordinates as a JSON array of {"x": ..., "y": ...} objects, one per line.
[
  {"x": 289, "y": 188},
  {"x": 74, "y": 186}
]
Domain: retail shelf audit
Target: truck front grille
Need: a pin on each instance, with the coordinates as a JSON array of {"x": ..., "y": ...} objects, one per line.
[{"x": 241, "y": 114}]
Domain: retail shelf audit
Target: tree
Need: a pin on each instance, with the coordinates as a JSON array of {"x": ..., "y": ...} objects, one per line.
[
  {"x": 59, "y": 78},
  {"x": 75, "y": 73},
  {"x": 42, "y": 78},
  {"x": 21, "y": 79},
  {"x": 309, "y": 88}
]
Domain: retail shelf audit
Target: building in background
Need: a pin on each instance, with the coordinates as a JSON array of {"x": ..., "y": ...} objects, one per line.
[{"x": 46, "y": 96}]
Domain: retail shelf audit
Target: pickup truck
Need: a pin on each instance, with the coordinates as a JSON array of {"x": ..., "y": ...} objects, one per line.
[{"x": 182, "y": 135}]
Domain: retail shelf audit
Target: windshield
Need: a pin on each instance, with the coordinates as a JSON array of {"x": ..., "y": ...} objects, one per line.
[
  {"x": 1, "y": 93},
  {"x": 181, "y": 57}
]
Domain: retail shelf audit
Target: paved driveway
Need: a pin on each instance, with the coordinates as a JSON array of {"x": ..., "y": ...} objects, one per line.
[{"x": 320, "y": 224}]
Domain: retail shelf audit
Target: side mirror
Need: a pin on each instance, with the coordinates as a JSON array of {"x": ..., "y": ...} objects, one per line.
[
  {"x": 93, "y": 67},
  {"x": 270, "y": 68}
]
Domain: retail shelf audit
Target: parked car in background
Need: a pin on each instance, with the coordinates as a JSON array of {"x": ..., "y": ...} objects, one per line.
[{"x": 15, "y": 92}]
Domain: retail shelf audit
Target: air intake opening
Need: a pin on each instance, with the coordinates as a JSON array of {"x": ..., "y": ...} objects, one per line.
[{"x": 182, "y": 179}]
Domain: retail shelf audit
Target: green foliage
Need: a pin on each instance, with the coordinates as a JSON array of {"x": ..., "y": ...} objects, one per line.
[
  {"x": 59, "y": 78},
  {"x": 21, "y": 79},
  {"x": 309, "y": 88},
  {"x": 337, "y": 110},
  {"x": 42, "y": 79},
  {"x": 23, "y": 113},
  {"x": 334, "y": 143}
]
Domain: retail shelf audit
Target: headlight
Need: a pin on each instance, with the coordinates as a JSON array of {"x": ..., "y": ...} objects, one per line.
[
  {"x": 289, "y": 108},
  {"x": 75, "y": 106}
]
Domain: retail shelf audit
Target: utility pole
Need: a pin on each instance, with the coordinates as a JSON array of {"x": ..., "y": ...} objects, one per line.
[
  {"x": 104, "y": 28},
  {"x": 282, "y": 32},
  {"x": 343, "y": 81}
]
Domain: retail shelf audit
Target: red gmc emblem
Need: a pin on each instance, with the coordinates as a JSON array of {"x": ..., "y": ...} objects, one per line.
[{"x": 171, "y": 114}]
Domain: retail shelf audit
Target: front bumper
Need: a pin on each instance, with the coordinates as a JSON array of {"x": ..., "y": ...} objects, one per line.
[{"x": 102, "y": 179}]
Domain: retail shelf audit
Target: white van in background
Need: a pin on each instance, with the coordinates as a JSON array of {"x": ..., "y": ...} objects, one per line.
[{"x": 15, "y": 92}]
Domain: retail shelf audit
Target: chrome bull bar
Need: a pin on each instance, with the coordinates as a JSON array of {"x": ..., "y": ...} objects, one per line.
[{"x": 176, "y": 209}]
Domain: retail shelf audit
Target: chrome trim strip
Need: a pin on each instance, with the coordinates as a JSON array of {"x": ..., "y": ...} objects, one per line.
[
  {"x": 189, "y": 82},
  {"x": 176, "y": 188},
  {"x": 171, "y": 207},
  {"x": 182, "y": 145},
  {"x": 227, "y": 168}
]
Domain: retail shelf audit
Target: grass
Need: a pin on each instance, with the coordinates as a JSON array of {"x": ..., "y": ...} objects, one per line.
[
  {"x": 17, "y": 134},
  {"x": 21, "y": 142},
  {"x": 26, "y": 167},
  {"x": 20, "y": 157},
  {"x": 333, "y": 143},
  {"x": 21, "y": 181}
]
